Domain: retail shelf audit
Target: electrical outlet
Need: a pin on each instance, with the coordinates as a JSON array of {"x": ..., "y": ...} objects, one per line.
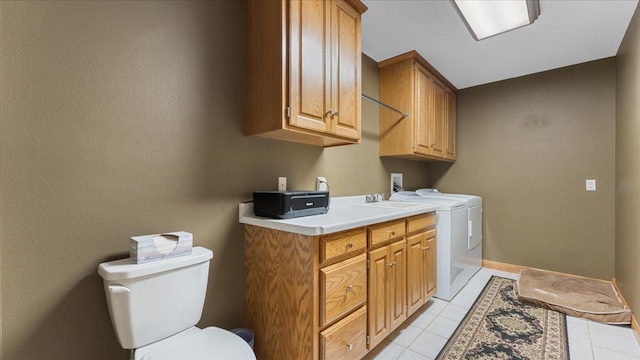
[
  {"x": 321, "y": 184},
  {"x": 591, "y": 185},
  {"x": 282, "y": 183}
]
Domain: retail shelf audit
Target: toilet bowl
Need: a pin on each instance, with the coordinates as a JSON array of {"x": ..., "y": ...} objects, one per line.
[
  {"x": 198, "y": 344},
  {"x": 155, "y": 306}
]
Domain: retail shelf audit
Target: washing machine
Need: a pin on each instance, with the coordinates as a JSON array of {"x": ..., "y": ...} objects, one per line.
[{"x": 451, "y": 216}]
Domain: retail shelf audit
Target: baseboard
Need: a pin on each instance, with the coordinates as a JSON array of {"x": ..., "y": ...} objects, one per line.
[
  {"x": 495, "y": 265},
  {"x": 634, "y": 322}
]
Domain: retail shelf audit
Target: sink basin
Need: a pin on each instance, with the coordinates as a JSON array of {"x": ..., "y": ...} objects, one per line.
[{"x": 389, "y": 204}]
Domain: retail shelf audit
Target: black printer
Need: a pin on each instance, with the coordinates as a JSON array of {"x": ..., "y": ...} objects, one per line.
[{"x": 290, "y": 204}]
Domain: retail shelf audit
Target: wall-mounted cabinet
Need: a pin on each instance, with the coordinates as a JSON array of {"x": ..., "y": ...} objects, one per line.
[
  {"x": 450, "y": 123},
  {"x": 303, "y": 71},
  {"x": 409, "y": 83}
]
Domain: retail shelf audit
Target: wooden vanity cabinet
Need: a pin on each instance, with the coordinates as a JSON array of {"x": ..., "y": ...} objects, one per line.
[
  {"x": 303, "y": 70},
  {"x": 334, "y": 296},
  {"x": 409, "y": 83}
]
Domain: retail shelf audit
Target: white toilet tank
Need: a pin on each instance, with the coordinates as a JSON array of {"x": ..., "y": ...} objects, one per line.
[{"x": 152, "y": 301}]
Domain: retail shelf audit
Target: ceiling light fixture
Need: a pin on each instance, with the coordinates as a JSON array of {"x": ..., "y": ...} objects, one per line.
[{"x": 486, "y": 18}]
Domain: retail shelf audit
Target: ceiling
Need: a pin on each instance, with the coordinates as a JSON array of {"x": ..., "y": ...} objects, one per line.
[{"x": 567, "y": 32}]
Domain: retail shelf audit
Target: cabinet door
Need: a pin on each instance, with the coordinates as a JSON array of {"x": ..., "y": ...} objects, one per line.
[
  {"x": 450, "y": 130},
  {"x": 422, "y": 116},
  {"x": 309, "y": 64},
  {"x": 345, "y": 70},
  {"x": 437, "y": 120},
  {"x": 430, "y": 268},
  {"x": 398, "y": 284},
  {"x": 415, "y": 272},
  {"x": 377, "y": 304}
]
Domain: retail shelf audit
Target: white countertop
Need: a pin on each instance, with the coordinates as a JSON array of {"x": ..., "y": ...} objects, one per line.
[{"x": 345, "y": 213}]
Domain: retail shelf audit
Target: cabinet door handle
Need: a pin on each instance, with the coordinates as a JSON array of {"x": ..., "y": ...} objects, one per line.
[
  {"x": 350, "y": 288},
  {"x": 426, "y": 248},
  {"x": 349, "y": 245},
  {"x": 349, "y": 346},
  {"x": 334, "y": 114},
  {"x": 392, "y": 264},
  {"x": 329, "y": 112}
]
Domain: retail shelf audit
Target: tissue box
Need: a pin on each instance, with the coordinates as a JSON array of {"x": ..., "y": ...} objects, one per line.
[{"x": 160, "y": 246}]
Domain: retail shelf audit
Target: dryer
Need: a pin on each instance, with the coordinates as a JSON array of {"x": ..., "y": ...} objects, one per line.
[{"x": 474, "y": 225}]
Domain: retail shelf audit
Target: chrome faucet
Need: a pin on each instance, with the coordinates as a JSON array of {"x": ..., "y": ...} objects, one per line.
[{"x": 372, "y": 198}]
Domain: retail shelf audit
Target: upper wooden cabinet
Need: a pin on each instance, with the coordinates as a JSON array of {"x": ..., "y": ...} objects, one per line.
[
  {"x": 450, "y": 123},
  {"x": 303, "y": 70},
  {"x": 409, "y": 83}
]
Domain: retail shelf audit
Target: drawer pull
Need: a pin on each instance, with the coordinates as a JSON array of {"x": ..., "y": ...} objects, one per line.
[
  {"x": 349, "y": 245},
  {"x": 350, "y": 288},
  {"x": 349, "y": 346},
  {"x": 392, "y": 232}
]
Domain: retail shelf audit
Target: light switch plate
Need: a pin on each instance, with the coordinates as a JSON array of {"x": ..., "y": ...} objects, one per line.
[
  {"x": 591, "y": 185},
  {"x": 282, "y": 183}
]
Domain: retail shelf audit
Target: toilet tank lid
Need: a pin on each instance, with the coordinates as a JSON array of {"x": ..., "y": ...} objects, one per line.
[{"x": 128, "y": 269}]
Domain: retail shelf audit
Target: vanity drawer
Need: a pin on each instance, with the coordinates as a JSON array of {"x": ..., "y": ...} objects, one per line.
[
  {"x": 385, "y": 232},
  {"x": 336, "y": 245},
  {"x": 343, "y": 288},
  {"x": 346, "y": 339},
  {"x": 421, "y": 222}
]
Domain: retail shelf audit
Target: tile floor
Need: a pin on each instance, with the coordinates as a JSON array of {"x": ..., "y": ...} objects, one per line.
[{"x": 424, "y": 334}]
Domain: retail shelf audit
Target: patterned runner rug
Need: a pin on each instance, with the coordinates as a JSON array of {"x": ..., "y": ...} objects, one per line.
[{"x": 498, "y": 326}]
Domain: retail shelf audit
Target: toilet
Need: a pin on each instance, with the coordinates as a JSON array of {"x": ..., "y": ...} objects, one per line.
[{"x": 155, "y": 306}]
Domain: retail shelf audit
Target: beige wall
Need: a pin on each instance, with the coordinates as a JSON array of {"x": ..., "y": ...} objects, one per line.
[
  {"x": 527, "y": 145},
  {"x": 628, "y": 164},
  {"x": 122, "y": 119}
]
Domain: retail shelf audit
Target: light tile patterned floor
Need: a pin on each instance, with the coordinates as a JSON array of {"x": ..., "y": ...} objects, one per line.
[{"x": 424, "y": 334}]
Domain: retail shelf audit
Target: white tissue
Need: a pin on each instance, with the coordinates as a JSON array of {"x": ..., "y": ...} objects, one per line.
[
  {"x": 165, "y": 243},
  {"x": 160, "y": 246}
]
